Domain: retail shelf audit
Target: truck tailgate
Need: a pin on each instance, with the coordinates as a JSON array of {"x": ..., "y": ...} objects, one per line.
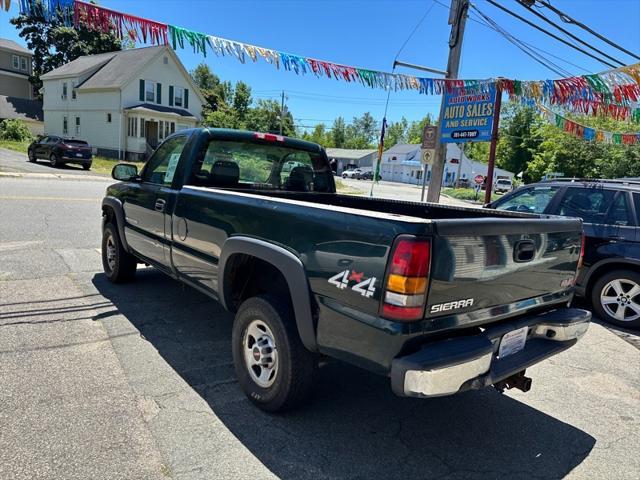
[{"x": 513, "y": 265}]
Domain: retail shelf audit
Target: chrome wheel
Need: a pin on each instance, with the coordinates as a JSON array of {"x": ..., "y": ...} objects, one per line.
[
  {"x": 111, "y": 253},
  {"x": 620, "y": 298},
  {"x": 260, "y": 353}
]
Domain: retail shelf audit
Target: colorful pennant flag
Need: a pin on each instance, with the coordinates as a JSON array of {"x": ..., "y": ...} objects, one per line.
[
  {"x": 588, "y": 133},
  {"x": 615, "y": 93}
]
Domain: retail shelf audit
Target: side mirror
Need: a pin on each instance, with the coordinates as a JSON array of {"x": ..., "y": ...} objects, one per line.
[{"x": 124, "y": 172}]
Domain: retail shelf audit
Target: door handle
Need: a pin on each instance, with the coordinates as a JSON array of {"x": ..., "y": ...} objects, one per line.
[
  {"x": 160, "y": 204},
  {"x": 524, "y": 251}
]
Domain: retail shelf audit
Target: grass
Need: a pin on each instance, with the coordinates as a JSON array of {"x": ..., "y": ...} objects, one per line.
[
  {"x": 16, "y": 146},
  {"x": 345, "y": 189},
  {"x": 468, "y": 194},
  {"x": 100, "y": 165}
]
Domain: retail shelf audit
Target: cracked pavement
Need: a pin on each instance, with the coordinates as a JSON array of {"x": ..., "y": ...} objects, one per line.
[{"x": 136, "y": 381}]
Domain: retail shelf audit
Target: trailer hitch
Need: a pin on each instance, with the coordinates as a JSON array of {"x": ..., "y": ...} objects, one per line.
[{"x": 517, "y": 380}]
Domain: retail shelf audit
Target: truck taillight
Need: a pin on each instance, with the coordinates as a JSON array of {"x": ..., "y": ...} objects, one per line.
[
  {"x": 407, "y": 280},
  {"x": 269, "y": 137},
  {"x": 583, "y": 240}
]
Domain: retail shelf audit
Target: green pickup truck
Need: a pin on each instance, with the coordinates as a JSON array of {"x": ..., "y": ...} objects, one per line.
[{"x": 439, "y": 299}]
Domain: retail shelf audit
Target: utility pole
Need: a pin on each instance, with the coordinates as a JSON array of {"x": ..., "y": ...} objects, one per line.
[
  {"x": 281, "y": 112},
  {"x": 488, "y": 186},
  {"x": 457, "y": 20}
]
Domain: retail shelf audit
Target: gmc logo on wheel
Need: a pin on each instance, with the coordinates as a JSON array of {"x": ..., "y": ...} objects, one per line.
[{"x": 443, "y": 307}]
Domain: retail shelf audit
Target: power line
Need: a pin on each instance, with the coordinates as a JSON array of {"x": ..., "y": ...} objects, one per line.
[
  {"x": 528, "y": 51},
  {"x": 538, "y": 27},
  {"x": 414, "y": 30},
  {"x": 481, "y": 22},
  {"x": 527, "y": 5},
  {"x": 567, "y": 19}
]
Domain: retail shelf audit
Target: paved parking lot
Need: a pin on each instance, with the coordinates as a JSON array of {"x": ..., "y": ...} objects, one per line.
[{"x": 136, "y": 381}]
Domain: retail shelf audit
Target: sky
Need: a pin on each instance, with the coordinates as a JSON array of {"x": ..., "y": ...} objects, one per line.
[{"x": 369, "y": 34}]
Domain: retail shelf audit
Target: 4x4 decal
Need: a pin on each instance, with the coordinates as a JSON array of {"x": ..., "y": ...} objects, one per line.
[{"x": 366, "y": 288}]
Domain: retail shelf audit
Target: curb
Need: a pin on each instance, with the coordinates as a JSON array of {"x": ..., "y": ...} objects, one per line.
[{"x": 56, "y": 176}]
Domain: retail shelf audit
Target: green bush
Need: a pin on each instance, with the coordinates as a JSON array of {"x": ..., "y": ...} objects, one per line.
[
  {"x": 14, "y": 130},
  {"x": 468, "y": 194}
]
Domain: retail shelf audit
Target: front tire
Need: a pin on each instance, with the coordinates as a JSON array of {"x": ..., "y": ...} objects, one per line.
[
  {"x": 118, "y": 264},
  {"x": 273, "y": 367},
  {"x": 615, "y": 297},
  {"x": 53, "y": 160},
  {"x": 32, "y": 156}
]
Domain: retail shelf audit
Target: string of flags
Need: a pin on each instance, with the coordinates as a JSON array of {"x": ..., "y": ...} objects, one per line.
[
  {"x": 588, "y": 133},
  {"x": 613, "y": 93}
]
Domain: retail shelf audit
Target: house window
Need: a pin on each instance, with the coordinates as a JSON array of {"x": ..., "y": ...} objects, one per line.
[
  {"x": 142, "y": 125},
  {"x": 166, "y": 129},
  {"x": 73, "y": 90},
  {"x": 173, "y": 127},
  {"x": 108, "y": 118},
  {"x": 132, "y": 127},
  {"x": 178, "y": 95},
  {"x": 77, "y": 125},
  {"x": 65, "y": 125},
  {"x": 150, "y": 91},
  {"x": 16, "y": 62},
  {"x": 64, "y": 90},
  {"x": 23, "y": 63},
  {"x": 160, "y": 130}
]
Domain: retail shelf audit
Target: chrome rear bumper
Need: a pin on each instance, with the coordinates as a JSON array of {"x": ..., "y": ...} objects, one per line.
[{"x": 450, "y": 366}]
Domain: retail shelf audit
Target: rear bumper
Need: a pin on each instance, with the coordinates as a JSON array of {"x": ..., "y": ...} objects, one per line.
[
  {"x": 78, "y": 160},
  {"x": 471, "y": 363}
]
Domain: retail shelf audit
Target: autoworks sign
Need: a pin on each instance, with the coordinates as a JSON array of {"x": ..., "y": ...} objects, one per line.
[{"x": 469, "y": 117}]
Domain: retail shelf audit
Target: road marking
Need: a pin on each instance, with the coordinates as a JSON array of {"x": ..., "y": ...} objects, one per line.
[
  {"x": 65, "y": 199},
  {"x": 5, "y": 246}
]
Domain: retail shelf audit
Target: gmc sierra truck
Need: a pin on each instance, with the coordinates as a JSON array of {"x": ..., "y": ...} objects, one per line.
[{"x": 439, "y": 299}]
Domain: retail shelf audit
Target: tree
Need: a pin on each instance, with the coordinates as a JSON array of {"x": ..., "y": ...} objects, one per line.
[
  {"x": 265, "y": 117},
  {"x": 396, "y": 132},
  {"x": 414, "y": 133},
  {"x": 319, "y": 135},
  {"x": 242, "y": 100},
  {"x": 478, "y": 151},
  {"x": 516, "y": 144},
  {"x": 53, "y": 44},
  {"x": 339, "y": 133},
  {"x": 204, "y": 78}
]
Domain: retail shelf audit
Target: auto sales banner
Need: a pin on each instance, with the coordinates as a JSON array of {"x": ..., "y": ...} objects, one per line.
[{"x": 468, "y": 118}]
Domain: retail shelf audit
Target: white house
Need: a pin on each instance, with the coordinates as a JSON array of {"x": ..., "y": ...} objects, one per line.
[
  {"x": 348, "y": 157},
  {"x": 401, "y": 163},
  {"x": 123, "y": 103}
]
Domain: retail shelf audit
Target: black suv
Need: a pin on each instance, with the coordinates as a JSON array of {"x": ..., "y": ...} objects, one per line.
[
  {"x": 610, "y": 210},
  {"x": 59, "y": 150}
]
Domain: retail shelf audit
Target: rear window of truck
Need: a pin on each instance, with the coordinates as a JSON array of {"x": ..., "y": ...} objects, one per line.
[{"x": 230, "y": 164}]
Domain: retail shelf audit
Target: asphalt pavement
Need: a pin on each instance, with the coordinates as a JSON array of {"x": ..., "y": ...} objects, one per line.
[{"x": 136, "y": 381}]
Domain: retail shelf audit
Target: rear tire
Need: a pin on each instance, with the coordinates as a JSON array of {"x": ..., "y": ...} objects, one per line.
[
  {"x": 119, "y": 265},
  {"x": 86, "y": 166},
  {"x": 32, "y": 157},
  {"x": 273, "y": 367},
  {"x": 615, "y": 297}
]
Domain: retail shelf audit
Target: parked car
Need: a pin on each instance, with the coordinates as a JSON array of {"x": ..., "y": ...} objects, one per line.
[
  {"x": 355, "y": 173},
  {"x": 366, "y": 175},
  {"x": 610, "y": 210},
  {"x": 414, "y": 292},
  {"x": 59, "y": 150},
  {"x": 502, "y": 185}
]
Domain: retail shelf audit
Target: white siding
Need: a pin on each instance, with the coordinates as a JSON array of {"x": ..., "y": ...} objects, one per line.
[
  {"x": 93, "y": 106},
  {"x": 166, "y": 75}
]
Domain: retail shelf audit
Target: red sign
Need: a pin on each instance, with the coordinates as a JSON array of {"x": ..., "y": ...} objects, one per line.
[{"x": 478, "y": 179}]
